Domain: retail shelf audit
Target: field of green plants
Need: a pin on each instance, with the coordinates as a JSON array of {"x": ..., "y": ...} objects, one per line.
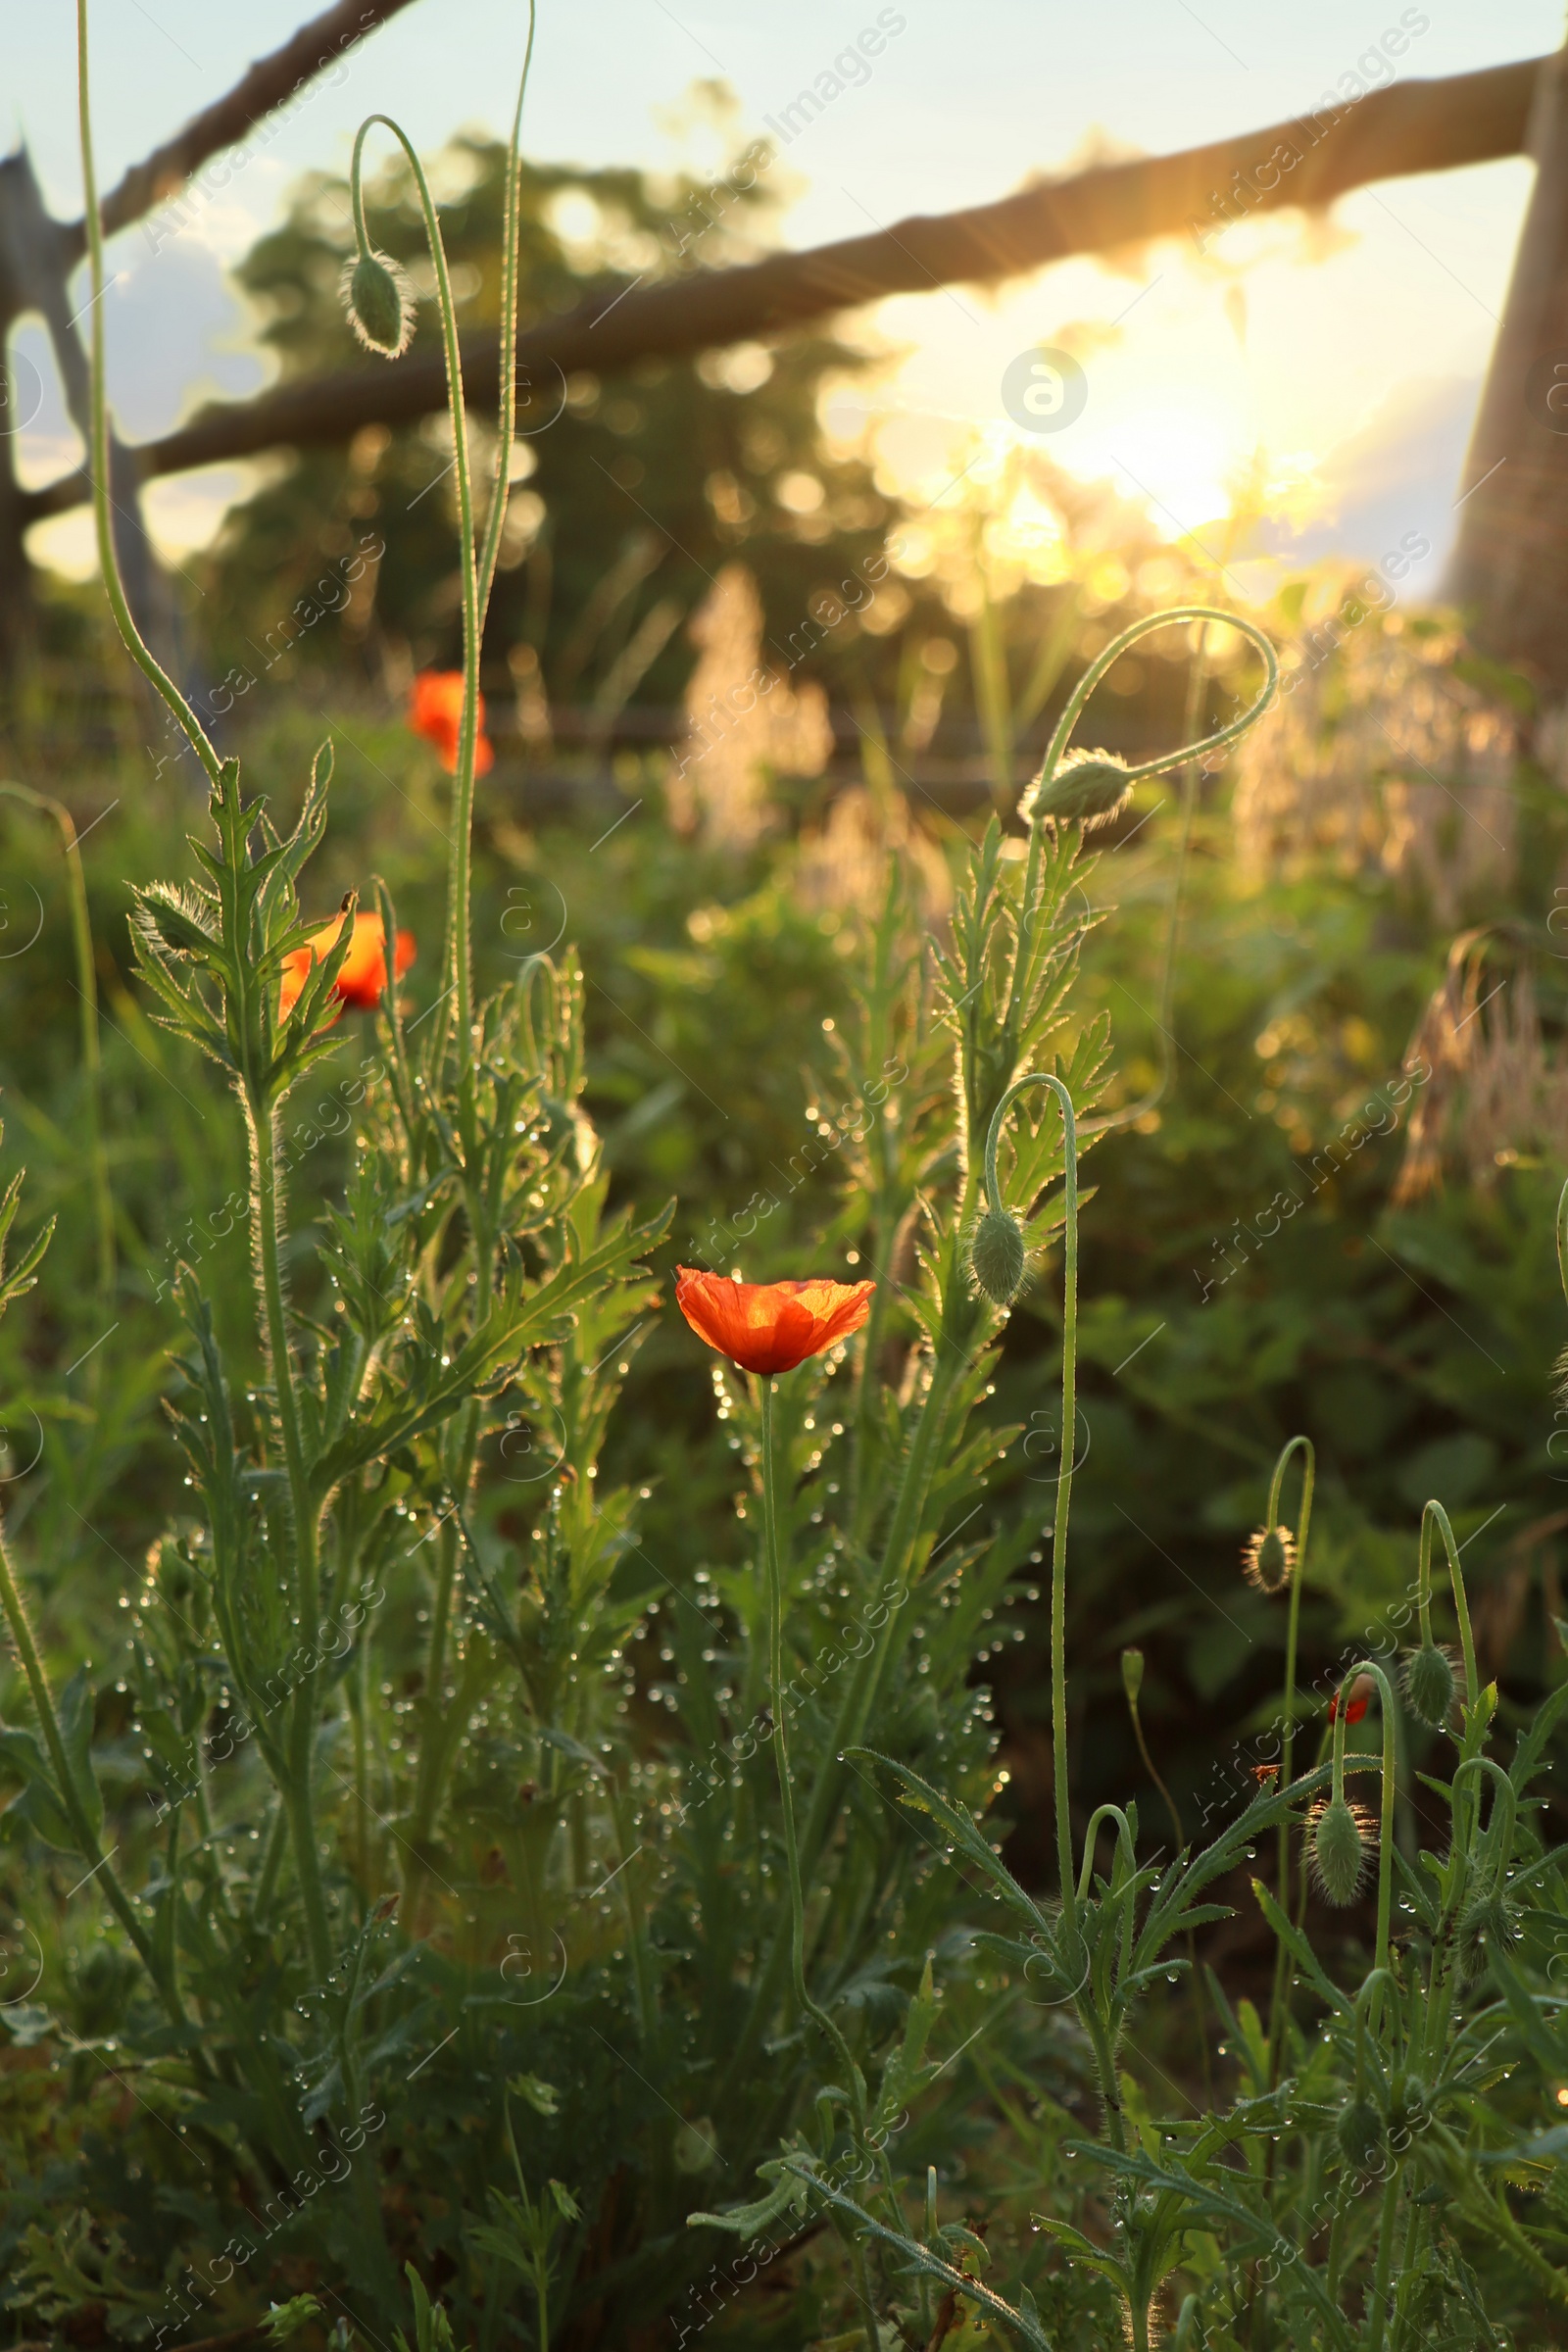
[{"x": 994, "y": 1784}]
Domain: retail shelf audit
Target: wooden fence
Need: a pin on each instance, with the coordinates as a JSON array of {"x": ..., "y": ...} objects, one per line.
[{"x": 1520, "y": 601}]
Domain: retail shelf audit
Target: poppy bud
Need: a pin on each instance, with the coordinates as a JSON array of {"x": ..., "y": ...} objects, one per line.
[
  {"x": 1087, "y": 789},
  {"x": 1338, "y": 1851},
  {"x": 1485, "y": 1926},
  {"x": 1131, "y": 1673},
  {"x": 996, "y": 1255},
  {"x": 1360, "y": 2133},
  {"x": 379, "y": 302},
  {"x": 1270, "y": 1558},
  {"x": 1409, "y": 2108},
  {"x": 1356, "y": 1706},
  {"x": 1428, "y": 1683}
]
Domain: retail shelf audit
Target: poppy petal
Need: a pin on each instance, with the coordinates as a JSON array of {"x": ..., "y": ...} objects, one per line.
[
  {"x": 361, "y": 976},
  {"x": 769, "y": 1327},
  {"x": 435, "y": 711}
]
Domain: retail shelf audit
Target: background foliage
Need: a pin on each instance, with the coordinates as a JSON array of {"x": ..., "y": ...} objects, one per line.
[{"x": 1413, "y": 1339}]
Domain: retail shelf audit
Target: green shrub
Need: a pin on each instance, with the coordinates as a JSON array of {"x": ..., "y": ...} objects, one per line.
[{"x": 474, "y": 1973}]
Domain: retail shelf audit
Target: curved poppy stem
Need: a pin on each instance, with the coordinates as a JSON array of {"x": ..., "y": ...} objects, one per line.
[
  {"x": 1369, "y": 1667},
  {"x": 1112, "y": 654},
  {"x": 1377, "y": 1982},
  {"x": 478, "y": 565},
  {"x": 506, "y": 401},
  {"x": 1434, "y": 1515},
  {"x": 1198, "y": 679},
  {"x": 1190, "y": 751},
  {"x": 786, "y": 1794},
  {"x": 1200, "y": 1998},
  {"x": 136, "y": 643},
  {"x": 457, "y": 960},
  {"x": 1069, "y": 1432},
  {"x": 1337, "y": 1739},
  {"x": 1506, "y": 1799},
  {"x": 1124, "y": 1838},
  {"x": 91, "y": 1062}
]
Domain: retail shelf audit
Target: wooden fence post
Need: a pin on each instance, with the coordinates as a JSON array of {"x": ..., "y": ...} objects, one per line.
[
  {"x": 1510, "y": 569},
  {"x": 35, "y": 263},
  {"x": 37, "y": 255}
]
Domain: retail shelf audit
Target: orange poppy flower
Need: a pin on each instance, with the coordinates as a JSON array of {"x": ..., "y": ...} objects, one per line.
[
  {"x": 770, "y": 1327},
  {"x": 1360, "y": 1700},
  {"x": 435, "y": 711},
  {"x": 362, "y": 980}
]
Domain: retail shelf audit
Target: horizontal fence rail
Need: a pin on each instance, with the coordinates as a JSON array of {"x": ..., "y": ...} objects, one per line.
[{"x": 1308, "y": 160}]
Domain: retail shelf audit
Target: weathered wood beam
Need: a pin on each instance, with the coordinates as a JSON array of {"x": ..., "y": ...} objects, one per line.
[
  {"x": 34, "y": 273},
  {"x": 258, "y": 93},
  {"x": 37, "y": 255},
  {"x": 1308, "y": 161},
  {"x": 1510, "y": 572}
]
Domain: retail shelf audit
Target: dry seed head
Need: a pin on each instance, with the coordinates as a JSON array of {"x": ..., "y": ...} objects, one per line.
[
  {"x": 1430, "y": 1684},
  {"x": 1087, "y": 789},
  {"x": 379, "y": 301},
  {"x": 1340, "y": 1841},
  {"x": 996, "y": 1255},
  {"x": 1269, "y": 1560}
]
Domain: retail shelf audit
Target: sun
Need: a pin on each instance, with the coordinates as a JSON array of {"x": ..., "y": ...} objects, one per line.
[{"x": 1173, "y": 454}]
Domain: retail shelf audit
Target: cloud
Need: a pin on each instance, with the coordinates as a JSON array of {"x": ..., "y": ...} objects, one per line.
[{"x": 1397, "y": 473}]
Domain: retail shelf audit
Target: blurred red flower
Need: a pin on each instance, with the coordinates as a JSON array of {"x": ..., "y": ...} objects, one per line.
[
  {"x": 362, "y": 981},
  {"x": 435, "y": 711}
]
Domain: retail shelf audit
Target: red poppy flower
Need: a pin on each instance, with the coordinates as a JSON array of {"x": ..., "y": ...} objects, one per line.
[
  {"x": 435, "y": 711},
  {"x": 770, "y": 1326},
  {"x": 362, "y": 980},
  {"x": 1360, "y": 1700}
]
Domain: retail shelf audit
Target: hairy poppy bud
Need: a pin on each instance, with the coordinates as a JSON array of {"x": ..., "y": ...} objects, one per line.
[
  {"x": 1270, "y": 1558},
  {"x": 1087, "y": 789},
  {"x": 1360, "y": 2133},
  {"x": 1409, "y": 2108},
  {"x": 996, "y": 1255},
  {"x": 1338, "y": 1851},
  {"x": 1485, "y": 1926},
  {"x": 1131, "y": 1673},
  {"x": 1428, "y": 1683},
  {"x": 379, "y": 301}
]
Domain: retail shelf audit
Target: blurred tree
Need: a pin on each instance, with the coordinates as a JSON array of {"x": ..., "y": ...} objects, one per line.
[{"x": 634, "y": 488}]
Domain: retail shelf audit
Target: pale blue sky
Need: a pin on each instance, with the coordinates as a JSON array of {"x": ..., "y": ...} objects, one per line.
[{"x": 963, "y": 103}]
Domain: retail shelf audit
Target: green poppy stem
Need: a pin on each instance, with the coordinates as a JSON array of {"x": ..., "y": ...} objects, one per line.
[
  {"x": 15, "y": 1610},
  {"x": 91, "y": 1064},
  {"x": 1434, "y": 1515},
  {"x": 775, "y": 1653},
  {"x": 1283, "y": 1971},
  {"x": 1292, "y": 1625},
  {"x": 108, "y": 562},
  {"x": 1369, "y": 1667},
  {"x": 1069, "y": 1428},
  {"x": 1112, "y": 654},
  {"x": 458, "y": 958}
]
